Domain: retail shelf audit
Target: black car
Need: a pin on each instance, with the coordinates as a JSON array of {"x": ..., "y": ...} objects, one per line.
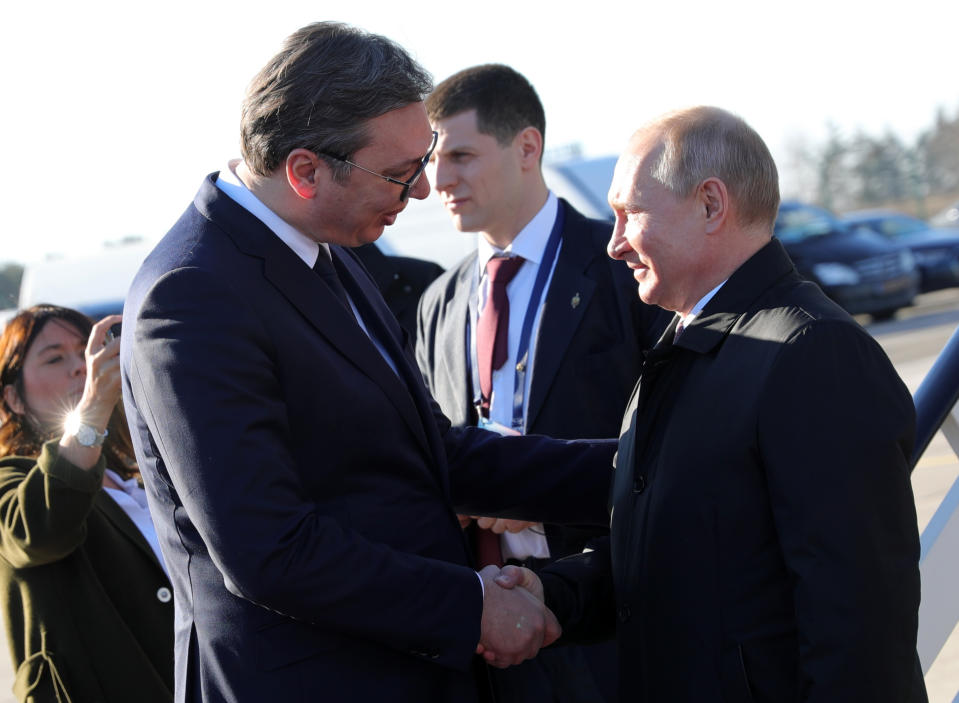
[
  {"x": 861, "y": 270},
  {"x": 936, "y": 248}
]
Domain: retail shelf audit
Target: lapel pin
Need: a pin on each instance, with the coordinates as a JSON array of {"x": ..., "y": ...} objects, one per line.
[{"x": 575, "y": 301}]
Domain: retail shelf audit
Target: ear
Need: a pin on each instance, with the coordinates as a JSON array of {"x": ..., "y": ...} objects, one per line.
[
  {"x": 302, "y": 167},
  {"x": 13, "y": 400},
  {"x": 529, "y": 142},
  {"x": 715, "y": 202}
]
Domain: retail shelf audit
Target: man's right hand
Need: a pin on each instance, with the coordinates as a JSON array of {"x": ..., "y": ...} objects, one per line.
[{"x": 516, "y": 624}]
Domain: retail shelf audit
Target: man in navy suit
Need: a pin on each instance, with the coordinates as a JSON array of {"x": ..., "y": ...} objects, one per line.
[
  {"x": 587, "y": 327},
  {"x": 763, "y": 540},
  {"x": 301, "y": 478}
]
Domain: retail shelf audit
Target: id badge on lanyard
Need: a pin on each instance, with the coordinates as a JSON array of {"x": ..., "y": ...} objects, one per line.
[
  {"x": 522, "y": 365},
  {"x": 486, "y": 424}
]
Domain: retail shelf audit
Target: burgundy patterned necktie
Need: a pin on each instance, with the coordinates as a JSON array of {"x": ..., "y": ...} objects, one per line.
[
  {"x": 492, "y": 333},
  {"x": 492, "y": 329}
]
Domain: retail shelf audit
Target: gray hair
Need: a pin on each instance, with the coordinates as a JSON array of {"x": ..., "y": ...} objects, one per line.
[
  {"x": 705, "y": 142},
  {"x": 319, "y": 92}
]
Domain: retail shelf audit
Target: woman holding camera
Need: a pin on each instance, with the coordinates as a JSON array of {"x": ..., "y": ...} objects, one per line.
[{"x": 85, "y": 595}]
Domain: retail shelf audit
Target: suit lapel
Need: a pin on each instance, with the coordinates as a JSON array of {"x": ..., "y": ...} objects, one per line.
[
  {"x": 570, "y": 291},
  {"x": 453, "y": 352},
  {"x": 310, "y": 296},
  {"x": 116, "y": 515},
  {"x": 407, "y": 391}
]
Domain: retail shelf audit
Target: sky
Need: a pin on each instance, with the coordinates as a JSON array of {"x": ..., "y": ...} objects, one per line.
[{"x": 113, "y": 112}]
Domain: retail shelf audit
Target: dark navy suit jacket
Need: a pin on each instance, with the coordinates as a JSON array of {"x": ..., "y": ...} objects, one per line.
[{"x": 302, "y": 491}]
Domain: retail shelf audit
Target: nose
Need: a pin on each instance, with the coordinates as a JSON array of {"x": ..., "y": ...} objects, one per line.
[
  {"x": 79, "y": 367},
  {"x": 618, "y": 246},
  {"x": 444, "y": 173},
  {"x": 421, "y": 188}
]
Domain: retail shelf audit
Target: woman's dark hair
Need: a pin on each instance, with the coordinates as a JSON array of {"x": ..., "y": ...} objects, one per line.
[{"x": 21, "y": 436}]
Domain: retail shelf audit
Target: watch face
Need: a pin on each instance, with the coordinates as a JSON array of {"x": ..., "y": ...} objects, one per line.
[{"x": 86, "y": 435}]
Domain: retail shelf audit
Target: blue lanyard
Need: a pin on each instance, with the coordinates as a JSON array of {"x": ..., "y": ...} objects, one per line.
[{"x": 522, "y": 352}]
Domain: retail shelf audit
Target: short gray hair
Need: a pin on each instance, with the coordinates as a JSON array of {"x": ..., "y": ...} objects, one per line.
[
  {"x": 319, "y": 92},
  {"x": 706, "y": 142}
]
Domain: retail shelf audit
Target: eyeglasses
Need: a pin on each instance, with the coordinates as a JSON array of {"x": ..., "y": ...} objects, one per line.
[{"x": 405, "y": 193}]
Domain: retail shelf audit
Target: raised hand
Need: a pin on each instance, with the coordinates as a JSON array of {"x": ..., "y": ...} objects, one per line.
[
  {"x": 101, "y": 392},
  {"x": 516, "y": 624}
]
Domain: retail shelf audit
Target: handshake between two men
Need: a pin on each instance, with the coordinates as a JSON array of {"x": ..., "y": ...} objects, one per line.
[{"x": 516, "y": 623}]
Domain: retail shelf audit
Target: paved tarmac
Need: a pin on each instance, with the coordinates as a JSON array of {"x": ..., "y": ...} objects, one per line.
[{"x": 913, "y": 341}]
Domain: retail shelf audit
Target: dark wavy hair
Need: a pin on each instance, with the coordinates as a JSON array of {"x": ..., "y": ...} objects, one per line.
[
  {"x": 320, "y": 92},
  {"x": 505, "y": 102},
  {"x": 21, "y": 436}
]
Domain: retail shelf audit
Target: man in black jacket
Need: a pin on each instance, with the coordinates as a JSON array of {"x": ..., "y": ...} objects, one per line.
[{"x": 763, "y": 539}]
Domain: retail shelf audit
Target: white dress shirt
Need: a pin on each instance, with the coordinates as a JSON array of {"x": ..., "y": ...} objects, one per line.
[{"x": 530, "y": 243}]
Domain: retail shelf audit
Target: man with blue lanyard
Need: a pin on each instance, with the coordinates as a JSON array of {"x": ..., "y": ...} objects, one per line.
[{"x": 537, "y": 332}]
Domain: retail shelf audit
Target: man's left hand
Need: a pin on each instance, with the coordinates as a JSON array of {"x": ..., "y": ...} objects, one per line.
[{"x": 501, "y": 525}]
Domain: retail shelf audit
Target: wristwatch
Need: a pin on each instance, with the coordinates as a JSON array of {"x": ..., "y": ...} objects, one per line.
[{"x": 85, "y": 435}]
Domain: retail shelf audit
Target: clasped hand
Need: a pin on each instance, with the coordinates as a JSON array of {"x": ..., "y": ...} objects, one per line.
[
  {"x": 516, "y": 623},
  {"x": 496, "y": 525}
]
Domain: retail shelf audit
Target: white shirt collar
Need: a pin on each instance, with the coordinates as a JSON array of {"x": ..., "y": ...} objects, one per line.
[
  {"x": 130, "y": 486},
  {"x": 685, "y": 320},
  {"x": 530, "y": 243},
  {"x": 303, "y": 246}
]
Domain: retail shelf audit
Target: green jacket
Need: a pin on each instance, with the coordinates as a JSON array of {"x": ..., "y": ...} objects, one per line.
[{"x": 88, "y": 608}]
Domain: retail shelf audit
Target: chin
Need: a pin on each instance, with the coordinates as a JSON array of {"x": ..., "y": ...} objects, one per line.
[
  {"x": 647, "y": 295},
  {"x": 369, "y": 236},
  {"x": 462, "y": 224}
]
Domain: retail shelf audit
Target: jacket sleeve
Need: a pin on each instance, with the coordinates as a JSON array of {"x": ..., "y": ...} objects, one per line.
[
  {"x": 530, "y": 477},
  {"x": 44, "y": 504},
  {"x": 579, "y": 590},
  {"x": 836, "y": 432}
]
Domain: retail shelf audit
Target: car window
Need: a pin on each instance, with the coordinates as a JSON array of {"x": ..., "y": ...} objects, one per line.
[
  {"x": 897, "y": 226},
  {"x": 797, "y": 224}
]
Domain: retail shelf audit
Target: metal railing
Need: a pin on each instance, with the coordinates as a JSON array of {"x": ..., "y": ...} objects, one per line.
[{"x": 935, "y": 401}]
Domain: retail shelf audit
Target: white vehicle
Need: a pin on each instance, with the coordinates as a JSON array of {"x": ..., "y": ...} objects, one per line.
[{"x": 94, "y": 283}]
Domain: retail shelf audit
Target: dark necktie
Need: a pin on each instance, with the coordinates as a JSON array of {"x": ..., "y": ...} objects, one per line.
[
  {"x": 324, "y": 267},
  {"x": 679, "y": 330},
  {"x": 492, "y": 334},
  {"x": 492, "y": 328}
]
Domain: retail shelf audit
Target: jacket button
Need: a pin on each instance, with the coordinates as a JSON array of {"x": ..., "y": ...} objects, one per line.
[
  {"x": 164, "y": 595},
  {"x": 623, "y": 613},
  {"x": 639, "y": 483}
]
